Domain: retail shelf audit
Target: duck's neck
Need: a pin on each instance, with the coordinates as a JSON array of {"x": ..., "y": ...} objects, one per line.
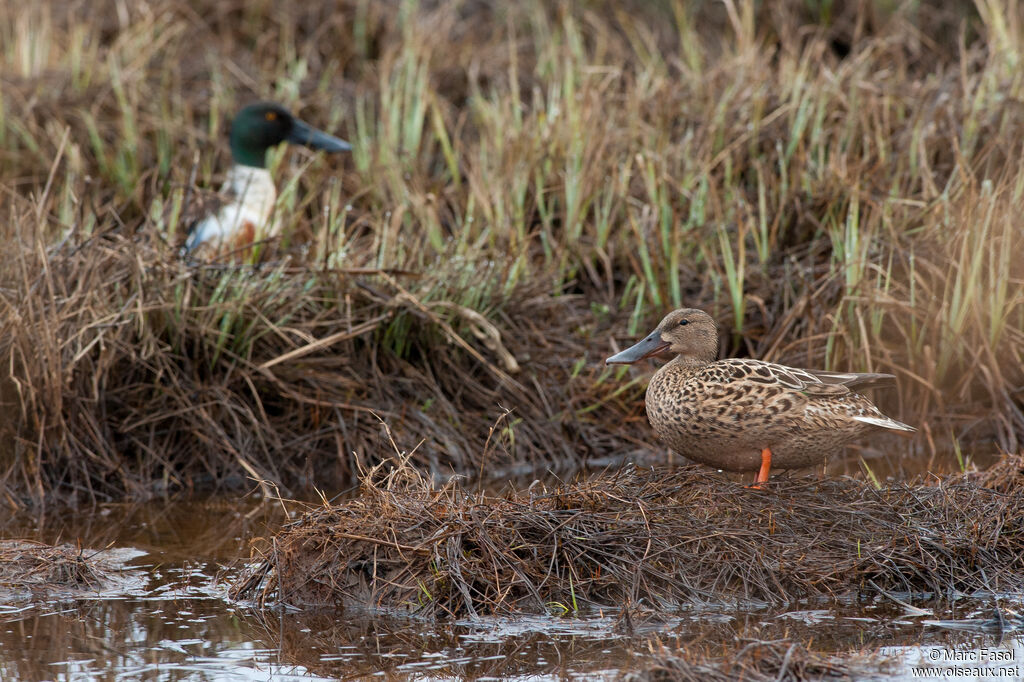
[
  {"x": 676, "y": 370},
  {"x": 682, "y": 363},
  {"x": 679, "y": 366}
]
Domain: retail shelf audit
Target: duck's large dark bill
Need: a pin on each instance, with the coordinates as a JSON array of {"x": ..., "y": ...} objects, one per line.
[
  {"x": 305, "y": 134},
  {"x": 649, "y": 347}
]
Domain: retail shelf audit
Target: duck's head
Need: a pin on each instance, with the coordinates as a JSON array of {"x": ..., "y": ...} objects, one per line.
[
  {"x": 688, "y": 332},
  {"x": 263, "y": 125}
]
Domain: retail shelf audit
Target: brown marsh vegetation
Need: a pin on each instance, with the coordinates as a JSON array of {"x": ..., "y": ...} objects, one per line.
[
  {"x": 532, "y": 183},
  {"x": 33, "y": 566},
  {"x": 643, "y": 536}
]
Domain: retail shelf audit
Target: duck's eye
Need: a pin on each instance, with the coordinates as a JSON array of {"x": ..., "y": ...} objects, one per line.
[
  {"x": 271, "y": 116},
  {"x": 683, "y": 323}
]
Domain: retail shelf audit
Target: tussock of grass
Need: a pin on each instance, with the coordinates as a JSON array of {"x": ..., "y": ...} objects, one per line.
[
  {"x": 192, "y": 377},
  {"x": 663, "y": 538},
  {"x": 839, "y": 186},
  {"x": 26, "y": 565}
]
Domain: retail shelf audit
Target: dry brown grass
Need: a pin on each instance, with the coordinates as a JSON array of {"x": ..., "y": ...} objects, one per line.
[
  {"x": 185, "y": 378},
  {"x": 838, "y": 184},
  {"x": 639, "y": 536},
  {"x": 38, "y": 567}
]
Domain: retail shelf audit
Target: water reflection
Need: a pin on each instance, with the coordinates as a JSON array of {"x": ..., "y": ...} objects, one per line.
[
  {"x": 205, "y": 530},
  {"x": 344, "y": 645}
]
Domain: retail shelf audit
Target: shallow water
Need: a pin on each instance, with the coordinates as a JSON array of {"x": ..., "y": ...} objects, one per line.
[{"x": 166, "y": 617}]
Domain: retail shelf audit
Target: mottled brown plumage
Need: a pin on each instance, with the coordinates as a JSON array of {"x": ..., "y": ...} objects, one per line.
[{"x": 746, "y": 415}]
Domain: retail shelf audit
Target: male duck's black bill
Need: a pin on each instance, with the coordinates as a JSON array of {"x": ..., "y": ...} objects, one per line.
[
  {"x": 306, "y": 135},
  {"x": 652, "y": 345}
]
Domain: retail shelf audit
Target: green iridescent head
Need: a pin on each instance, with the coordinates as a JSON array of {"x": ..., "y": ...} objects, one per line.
[{"x": 263, "y": 125}]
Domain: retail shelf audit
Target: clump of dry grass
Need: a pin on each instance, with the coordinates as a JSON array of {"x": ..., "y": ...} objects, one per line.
[
  {"x": 666, "y": 538},
  {"x": 839, "y": 186},
  {"x": 132, "y": 369},
  {"x": 1006, "y": 475},
  {"x": 26, "y": 565}
]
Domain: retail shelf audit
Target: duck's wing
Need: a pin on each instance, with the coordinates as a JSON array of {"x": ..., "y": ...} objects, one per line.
[
  {"x": 808, "y": 391},
  {"x": 853, "y": 380},
  {"x": 811, "y": 381},
  {"x": 202, "y": 209},
  {"x": 223, "y": 227},
  {"x": 245, "y": 206}
]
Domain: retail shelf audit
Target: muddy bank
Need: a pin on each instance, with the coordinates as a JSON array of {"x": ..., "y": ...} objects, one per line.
[{"x": 662, "y": 538}]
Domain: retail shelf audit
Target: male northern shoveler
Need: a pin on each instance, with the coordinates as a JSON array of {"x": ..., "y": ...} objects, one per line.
[
  {"x": 247, "y": 198},
  {"x": 746, "y": 415}
]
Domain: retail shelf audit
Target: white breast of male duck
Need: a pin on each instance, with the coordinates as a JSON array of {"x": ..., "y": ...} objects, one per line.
[{"x": 244, "y": 217}]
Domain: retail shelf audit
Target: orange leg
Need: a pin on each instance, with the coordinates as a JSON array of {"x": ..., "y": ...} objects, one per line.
[{"x": 766, "y": 466}]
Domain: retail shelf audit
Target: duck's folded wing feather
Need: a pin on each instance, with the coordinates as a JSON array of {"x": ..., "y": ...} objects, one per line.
[
  {"x": 814, "y": 381},
  {"x": 853, "y": 380},
  {"x": 201, "y": 209}
]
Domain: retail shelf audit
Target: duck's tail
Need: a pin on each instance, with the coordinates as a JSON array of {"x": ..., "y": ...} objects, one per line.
[{"x": 884, "y": 422}]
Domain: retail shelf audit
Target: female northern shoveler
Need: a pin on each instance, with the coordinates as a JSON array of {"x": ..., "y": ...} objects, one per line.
[
  {"x": 247, "y": 198},
  {"x": 746, "y": 415}
]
